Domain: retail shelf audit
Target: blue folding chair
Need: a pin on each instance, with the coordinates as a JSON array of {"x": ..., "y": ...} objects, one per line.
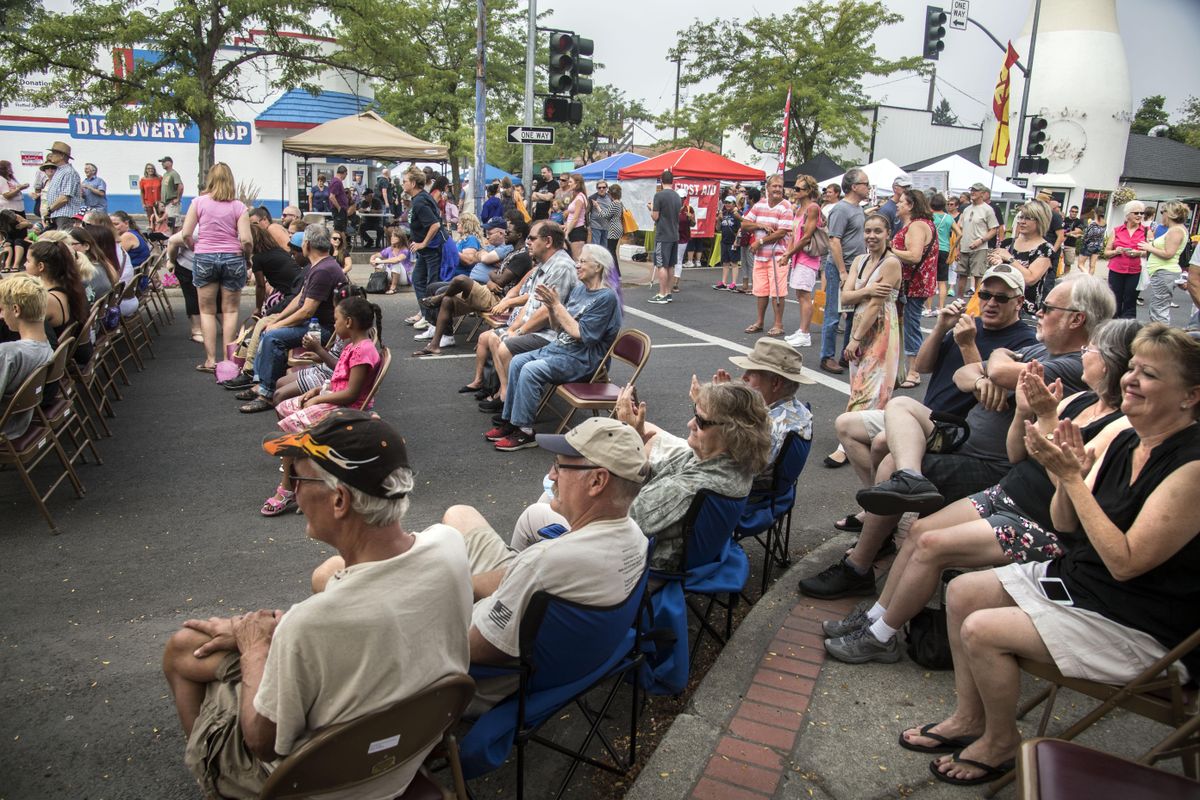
[
  {"x": 567, "y": 649},
  {"x": 768, "y": 515}
]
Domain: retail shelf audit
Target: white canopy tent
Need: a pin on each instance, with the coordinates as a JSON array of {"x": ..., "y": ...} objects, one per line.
[
  {"x": 880, "y": 173},
  {"x": 963, "y": 173}
]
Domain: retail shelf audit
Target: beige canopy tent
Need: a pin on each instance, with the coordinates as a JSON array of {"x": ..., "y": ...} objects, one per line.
[{"x": 365, "y": 135}]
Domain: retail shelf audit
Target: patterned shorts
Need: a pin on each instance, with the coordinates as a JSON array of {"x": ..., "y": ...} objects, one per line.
[
  {"x": 293, "y": 418},
  {"x": 1020, "y": 538}
]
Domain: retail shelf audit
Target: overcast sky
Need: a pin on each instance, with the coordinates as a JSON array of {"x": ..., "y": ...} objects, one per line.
[{"x": 1162, "y": 39}]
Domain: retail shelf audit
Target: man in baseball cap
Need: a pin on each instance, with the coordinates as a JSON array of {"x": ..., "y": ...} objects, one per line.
[
  {"x": 594, "y": 557},
  {"x": 306, "y": 668}
]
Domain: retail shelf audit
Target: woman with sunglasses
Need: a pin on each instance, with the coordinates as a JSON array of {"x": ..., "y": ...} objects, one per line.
[
  {"x": 1124, "y": 254},
  {"x": 1028, "y": 251},
  {"x": 1006, "y": 523}
]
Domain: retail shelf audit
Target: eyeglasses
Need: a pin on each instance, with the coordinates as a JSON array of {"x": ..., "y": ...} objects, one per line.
[
  {"x": 984, "y": 296},
  {"x": 556, "y": 465},
  {"x": 601, "y": 188},
  {"x": 1087, "y": 348},
  {"x": 701, "y": 422},
  {"x": 1137, "y": 213},
  {"x": 1046, "y": 308},
  {"x": 290, "y": 476},
  {"x": 532, "y": 238},
  {"x": 861, "y": 183}
]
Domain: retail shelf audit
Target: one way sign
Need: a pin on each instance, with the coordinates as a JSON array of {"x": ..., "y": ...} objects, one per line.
[{"x": 518, "y": 134}]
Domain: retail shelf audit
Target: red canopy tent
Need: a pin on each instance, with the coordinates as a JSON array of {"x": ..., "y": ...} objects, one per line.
[{"x": 691, "y": 162}]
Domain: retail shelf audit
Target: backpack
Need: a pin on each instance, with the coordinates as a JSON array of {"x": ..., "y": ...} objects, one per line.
[
  {"x": 927, "y": 637},
  {"x": 347, "y": 289},
  {"x": 449, "y": 258},
  {"x": 378, "y": 282},
  {"x": 1185, "y": 254}
]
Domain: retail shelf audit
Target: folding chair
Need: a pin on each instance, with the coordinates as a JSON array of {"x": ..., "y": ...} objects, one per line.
[
  {"x": 1051, "y": 769},
  {"x": 59, "y": 408},
  {"x": 87, "y": 380},
  {"x": 385, "y": 363},
  {"x": 631, "y": 347},
  {"x": 1157, "y": 694},
  {"x": 136, "y": 332},
  {"x": 768, "y": 516},
  {"x": 567, "y": 649},
  {"x": 27, "y": 451},
  {"x": 353, "y": 755}
]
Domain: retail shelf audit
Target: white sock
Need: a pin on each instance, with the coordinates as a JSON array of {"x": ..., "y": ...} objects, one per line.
[
  {"x": 875, "y": 612},
  {"x": 528, "y": 431},
  {"x": 882, "y": 631}
]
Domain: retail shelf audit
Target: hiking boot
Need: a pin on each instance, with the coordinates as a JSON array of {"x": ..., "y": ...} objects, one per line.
[
  {"x": 900, "y": 493},
  {"x": 517, "y": 440},
  {"x": 853, "y": 621},
  {"x": 861, "y": 646},
  {"x": 839, "y": 580}
]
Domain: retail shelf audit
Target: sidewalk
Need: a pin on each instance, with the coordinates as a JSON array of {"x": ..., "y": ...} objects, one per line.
[{"x": 775, "y": 718}]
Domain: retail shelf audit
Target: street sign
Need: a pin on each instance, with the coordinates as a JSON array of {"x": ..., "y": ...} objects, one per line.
[
  {"x": 602, "y": 147},
  {"x": 522, "y": 134},
  {"x": 1022, "y": 182},
  {"x": 958, "y": 14}
]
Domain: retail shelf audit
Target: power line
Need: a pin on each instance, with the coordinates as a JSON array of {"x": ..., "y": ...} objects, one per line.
[
  {"x": 896, "y": 80},
  {"x": 963, "y": 93}
]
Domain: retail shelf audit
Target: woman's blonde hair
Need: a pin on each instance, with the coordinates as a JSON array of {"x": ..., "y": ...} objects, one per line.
[
  {"x": 219, "y": 183},
  {"x": 807, "y": 186},
  {"x": 1178, "y": 349},
  {"x": 1175, "y": 211},
  {"x": 1037, "y": 212},
  {"x": 741, "y": 414},
  {"x": 468, "y": 225},
  {"x": 26, "y": 293}
]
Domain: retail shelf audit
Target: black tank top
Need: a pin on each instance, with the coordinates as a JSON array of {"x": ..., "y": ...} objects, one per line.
[
  {"x": 1165, "y": 601},
  {"x": 1027, "y": 483}
]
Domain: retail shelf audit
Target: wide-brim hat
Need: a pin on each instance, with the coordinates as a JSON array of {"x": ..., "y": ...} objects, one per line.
[
  {"x": 773, "y": 355},
  {"x": 62, "y": 148}
]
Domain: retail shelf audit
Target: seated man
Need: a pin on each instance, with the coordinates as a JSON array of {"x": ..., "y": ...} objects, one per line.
[
  {"x": 261, "y": 217},
  {"x": 23, "y": 307},
  {"x": 252, "y": 689},
  {"x": 370, "y": 220},
  {"x": 317, "y": 298},
  {"x": 587, "y": 324},
  {"x": 464, "y": 295},
  {"x": 597, "y": 472},
  {"x": 912, "y": 480},
  {"x": 956, "y": 339}
]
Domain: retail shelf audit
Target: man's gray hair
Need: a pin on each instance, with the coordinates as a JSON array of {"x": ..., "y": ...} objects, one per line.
[
  {"x": 316, "y": 236},
  {"x": 852, "y": 177},
  {"x": 377, "y": 511},
  {"x": 1092, "y": 296}
]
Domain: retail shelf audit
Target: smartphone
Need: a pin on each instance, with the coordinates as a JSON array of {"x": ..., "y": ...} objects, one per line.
[{"x": 1056, "y": 591}]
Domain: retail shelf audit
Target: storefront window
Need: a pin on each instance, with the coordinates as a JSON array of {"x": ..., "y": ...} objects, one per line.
[{"x": 1093, "y": 198}]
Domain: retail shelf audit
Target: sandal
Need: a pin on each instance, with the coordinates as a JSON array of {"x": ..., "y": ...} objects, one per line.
[
  {"x": 910, "y": 383},
  {"x": 246, "y": 394},
  {"x": 206, "y": 368},
  {"x": 990, "y": 773},
  {"x": 853, "y": 524},
  {"x": 432, "y": 302},
  {"x": 426, "y": 352},
  {"x": 944, "y": 744},
  {"x": 198, "y": 338},
  {"x": 413, "y": 320},
  {"x": 390, "y": 291},
  {"x": 775, "y": 332},
  {"x": 755, "y": 328},
  {"x": 278, "y": 503},
  {"x": 256, "y": 405}
]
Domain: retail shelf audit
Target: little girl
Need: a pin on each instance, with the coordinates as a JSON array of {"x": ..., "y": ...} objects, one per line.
[
  {"x": 349, "y": 385},
  {"x": 395, "y": 259},
  {"x": 158, "y": 222}
]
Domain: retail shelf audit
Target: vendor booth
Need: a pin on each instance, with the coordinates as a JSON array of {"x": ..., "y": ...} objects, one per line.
[{"x": 698, "y": 172}]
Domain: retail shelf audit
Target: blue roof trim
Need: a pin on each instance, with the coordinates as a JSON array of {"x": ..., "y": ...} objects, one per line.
[{"x": 301, "y": 107}]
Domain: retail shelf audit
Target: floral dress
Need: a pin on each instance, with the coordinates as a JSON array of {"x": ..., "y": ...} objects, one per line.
[
  {"x": 873, "y": 375},
  {"x": 1093, "y": 239}
]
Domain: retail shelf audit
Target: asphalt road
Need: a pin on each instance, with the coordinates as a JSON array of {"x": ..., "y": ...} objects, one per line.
[{"x": 169, "y": 529}]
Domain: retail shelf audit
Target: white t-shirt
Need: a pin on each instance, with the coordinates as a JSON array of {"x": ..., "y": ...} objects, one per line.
[
  {"x": 380, "y": 632},
  {"x": 598, "y": 564}
]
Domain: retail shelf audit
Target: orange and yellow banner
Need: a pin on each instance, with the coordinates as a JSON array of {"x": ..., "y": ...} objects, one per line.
[{"x": 1000, "y": 148}]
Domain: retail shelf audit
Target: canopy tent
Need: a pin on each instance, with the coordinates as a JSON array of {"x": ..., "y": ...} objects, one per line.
[
  {"x": 491, "y": 174},
  {"x": 607, "y": 168},
  {"x": 880, "y": 173},
  {"x": 691, "y": 162},
  {"x": 820, "y": 166},
  {"x": 365, "y": 135},
  {"x": 963, "y": 173}
]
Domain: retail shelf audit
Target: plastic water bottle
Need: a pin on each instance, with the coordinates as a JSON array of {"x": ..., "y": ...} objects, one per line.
[{"x": 314, "y": 327}]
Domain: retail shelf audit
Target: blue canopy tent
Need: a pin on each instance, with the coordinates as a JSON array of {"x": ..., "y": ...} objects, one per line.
[
  {"x": 493, "y": 173},
  {"x": 606, "y": 168}
]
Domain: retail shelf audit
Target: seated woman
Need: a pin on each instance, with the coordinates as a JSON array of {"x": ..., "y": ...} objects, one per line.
[
  {"x": 1009, "y": 522},
  {"x": 396, "y": 259},
  {"x": 93, "y": 278},
  {"x": 54, "y": 265},
  {"x": 728, "y": 442},
  {"x": 130, "y": 238},
  {"x": 1123, "y": 594},
  {"x": 348, "y": 386}
]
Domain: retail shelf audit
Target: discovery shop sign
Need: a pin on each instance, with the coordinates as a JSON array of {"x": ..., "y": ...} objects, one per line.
[{"x": 91, "y": 126}]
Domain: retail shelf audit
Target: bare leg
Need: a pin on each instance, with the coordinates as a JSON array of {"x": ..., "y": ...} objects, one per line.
[
  {"x": 207, "y": 296},
  {"x": 187, "y": 675},
  {"x": 875, "y": 531},
  {"x": 502, "y": 359},
  {"x": 907, "y": 426},
  {"x": 856, "y": 442},
  {"x": 665, "y": 277},
  {"x": 804, "y": 299},
  {"x": 762, "y": 311},
  {"x": 229, "y": 314},
  {"x": 576, "y": 249},
  {"x": 483, "y": 349},
  {"x": 777, "y": 308}
]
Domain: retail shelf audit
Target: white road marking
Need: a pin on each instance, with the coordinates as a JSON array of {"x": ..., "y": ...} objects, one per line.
[{"x": 656, "y": 347}]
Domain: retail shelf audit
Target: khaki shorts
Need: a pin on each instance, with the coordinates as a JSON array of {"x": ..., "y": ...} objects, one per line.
[
  {"x": 973, "y": 262},
  {"x": 872, "y": 420},
  {"x": 486, "y": 551},
  {"x": 481, "y": 298},
  {"x": 216, "y": 753}
]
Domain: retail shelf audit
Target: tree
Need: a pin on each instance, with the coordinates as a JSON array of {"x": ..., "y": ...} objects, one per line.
[
  {"x": 423, "y": 52},
  {"x": 1187, "y": 130},
  {"x": 606, "y": 114},
  {"x": 193, "y": 77},
  {"x": 943, "y": 114},
  {"x": 1150, "y": 113},
  {"x": 822, "y": 49},
  {"x": 700, "y": 122}
]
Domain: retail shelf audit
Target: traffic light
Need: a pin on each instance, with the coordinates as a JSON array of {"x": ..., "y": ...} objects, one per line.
[
  {"x": 568, "y": 61},
  {"x": 1037, "y": 136},
  {"x": 562, "y": 109},
  {"x": 935, "y": 32}
]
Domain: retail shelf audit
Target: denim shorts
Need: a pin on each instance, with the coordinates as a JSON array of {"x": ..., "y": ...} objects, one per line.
[{"x": 227, "y": 268}]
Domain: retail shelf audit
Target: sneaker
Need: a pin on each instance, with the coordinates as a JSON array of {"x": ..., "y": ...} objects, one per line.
[
  {"x": 517, "y": 440},
  {"x": 853, "y": 621},
  {"x": 421, "y": 324},
  {"x": 720, "y": 287},
  {"x": 491, "y": 405},
  {"x": 839, "y": 580},
  {"x": 660, "y": 299},
  {"x": 899, "y": 493},
  {"x": 497, "y": 433},
  {"x": 799, "y": 339},
  {"x": 447, "y": 341},
  {"x": 242, "y": 380},
  {"x": 860, "y": 646},
  {"x": 424, "y": 335}
]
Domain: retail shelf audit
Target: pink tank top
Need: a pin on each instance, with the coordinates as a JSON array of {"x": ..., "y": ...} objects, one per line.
[{"x": 216, "y": 225}]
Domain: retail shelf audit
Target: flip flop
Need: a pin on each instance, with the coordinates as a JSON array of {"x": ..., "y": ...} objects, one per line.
[
  {"x": 990, "y": 773},
  {"x": 205, "y": 368},
  {"x": 944, "y": 744},
  {"x": 853, "y": 524},
  {"x": 198, "y": 338},
  {"x": 468, "y": 389},
  {"x": 775, "y": 332},
  {"x": 755, "y": 328},
  {"x": 910, "y": 384},
  {"x": 423, "y": 353}
]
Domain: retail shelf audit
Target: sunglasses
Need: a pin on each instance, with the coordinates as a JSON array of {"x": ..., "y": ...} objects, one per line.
[
  {"x": 984, "y": 296},
  {"x": 701, "y": 422},
  {"x": 1046, "y": 308}
]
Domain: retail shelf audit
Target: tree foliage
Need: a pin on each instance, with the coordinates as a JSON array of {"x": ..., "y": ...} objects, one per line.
[
  {"x": 943, "y": 114},
  {"x": 700, "y": 122},
  {"x": 1150, "y": 113},
  {"x": 195, "y": 77},
  {"x": 1187, "y": 130},
  {"x": 822, "y": 49}
]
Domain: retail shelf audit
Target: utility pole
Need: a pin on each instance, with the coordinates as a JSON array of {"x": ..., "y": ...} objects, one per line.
[
  {"x": 932, "y": 81},
  {"x": 530, "y": 55},
  {"x": 678, "y": 71},
  {"x": 477, "y": 173},
  {"x": 1016, "y": 162}
]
